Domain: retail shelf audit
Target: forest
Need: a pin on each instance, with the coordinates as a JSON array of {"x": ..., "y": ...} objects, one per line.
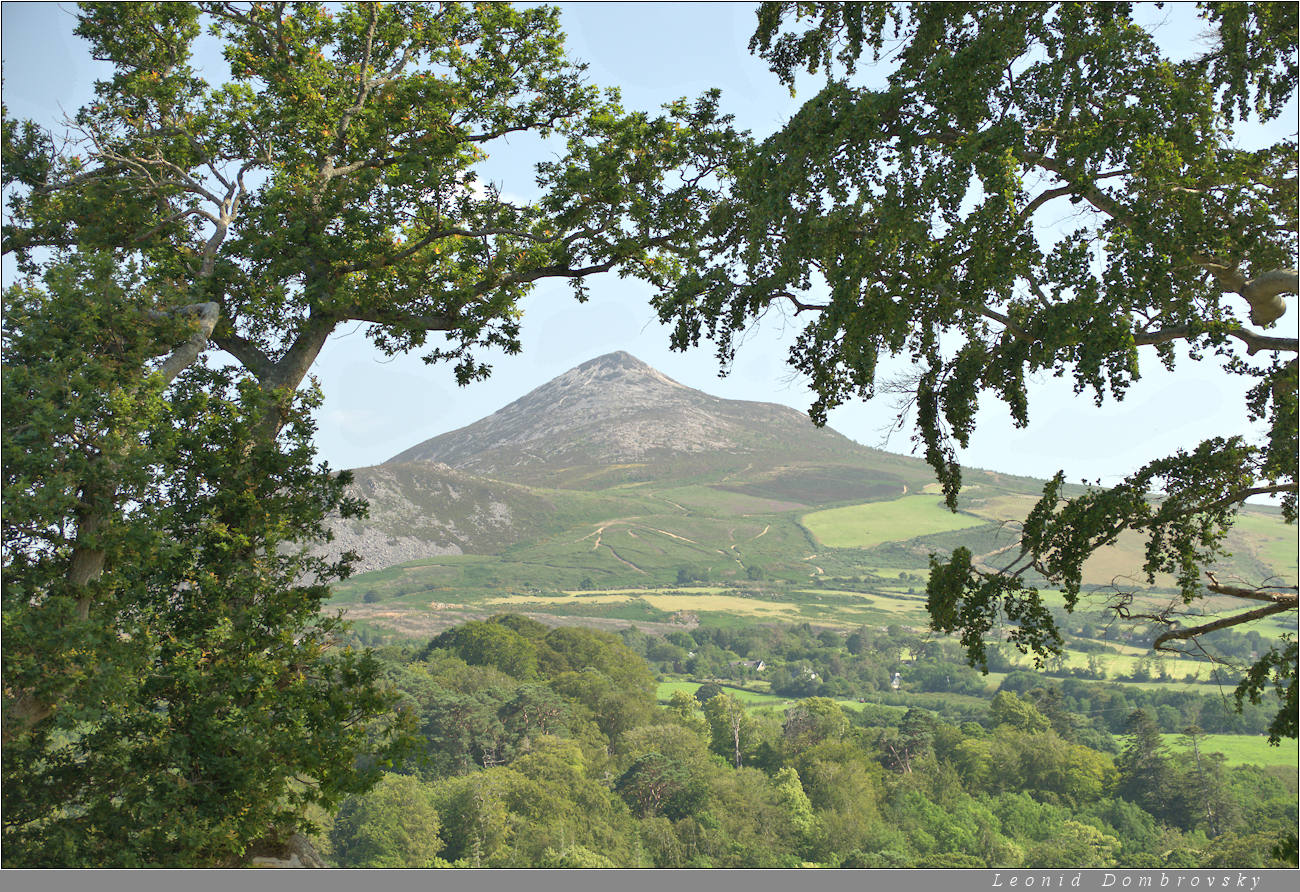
[{"x": 537, "y": 746}]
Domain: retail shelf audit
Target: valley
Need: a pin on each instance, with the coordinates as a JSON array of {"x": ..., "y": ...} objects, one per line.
[
  {"x": 764, "y": 593},
  {"x": 573, "y": 506}
]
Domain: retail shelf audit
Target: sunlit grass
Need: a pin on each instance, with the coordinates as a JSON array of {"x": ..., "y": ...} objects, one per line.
[
  {"x": 874, "y": 523},
  {"x": 1241, "y": 749}
]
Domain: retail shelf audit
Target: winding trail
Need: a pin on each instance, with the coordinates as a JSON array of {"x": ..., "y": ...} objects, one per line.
[
  {"x": 680, "y": 508},
  {"x": 619, "y": 558},
  {"x": 983, "y": 559},
  {"x": 673, "y": 535}
]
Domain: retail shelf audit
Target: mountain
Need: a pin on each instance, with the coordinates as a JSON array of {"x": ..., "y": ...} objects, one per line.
[
  {"x": 615, "y": 411},
  {"x": 576, "y": 449},
  {"x": 614, "y": 475},
  {"x": 422, "y": 509}
]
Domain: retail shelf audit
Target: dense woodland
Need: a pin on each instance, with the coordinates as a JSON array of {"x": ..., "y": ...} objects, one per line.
[{"x": 538, "y": 746}]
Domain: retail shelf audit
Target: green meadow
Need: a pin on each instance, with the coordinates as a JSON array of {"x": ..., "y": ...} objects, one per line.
[
  {"x": 1241, "y": 749},
  {"x": 874, "y": 523}
]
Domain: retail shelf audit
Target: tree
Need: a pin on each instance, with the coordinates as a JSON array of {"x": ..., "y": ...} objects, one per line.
[
  {"x": 658, "y": 784},
  {"x": 845, "y": 790},
  {"x": 172, "y": 693},
  {"x": 1007, "y": 708},
  {"x": 332, "y": 180},
  {"x": 707, "y": 691},
  {"x": 1079, "y": 845},
  {"x": 910, "y": 741},
  {"x": 913, "y": 219},
  {"x": 1205, "y": 796},
  {"x": 464, "y": 731},
  {"x": 1146, "y": 772},
  {"x": 730, "y": 727},
  {"x": 395, "y": 824},
  {"x": 491, "y": 644},
  {"x": 811, "y": 721}
]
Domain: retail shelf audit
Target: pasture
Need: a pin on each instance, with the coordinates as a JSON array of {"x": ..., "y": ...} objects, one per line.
[
  {"x": 749, "y": 698},
  {"x": 669, "y": 601},
  {"x": 1240, "y": 749},
  {"x": 874, "y": 523}
]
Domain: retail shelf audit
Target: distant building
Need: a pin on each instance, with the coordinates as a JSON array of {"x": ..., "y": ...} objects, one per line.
[
  {"x": 897, "y": 682},
  {"x": 756, "y": 665}
]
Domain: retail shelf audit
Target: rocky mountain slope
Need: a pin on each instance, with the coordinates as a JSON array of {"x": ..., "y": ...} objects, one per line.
[
  {"x": 574, "y": 449},
  {"x": 615, "y": 410},
  {"x": 425, "y": 508}
]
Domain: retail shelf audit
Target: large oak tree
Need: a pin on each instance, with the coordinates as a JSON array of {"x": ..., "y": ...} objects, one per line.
[{"x": 188, "y": 252}]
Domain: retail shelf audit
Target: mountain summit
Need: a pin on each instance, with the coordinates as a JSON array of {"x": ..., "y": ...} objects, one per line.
[{"x": 616, "y": 410}]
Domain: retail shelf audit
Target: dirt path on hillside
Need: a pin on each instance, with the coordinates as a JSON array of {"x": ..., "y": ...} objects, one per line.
[
  {"x": 684, "y": 539},
  {"x": 680, "y": 508},
  {"x": 673, "y": 535},
  {"x": 620, "y": 559},
  {"x": 985, "y": 558}
]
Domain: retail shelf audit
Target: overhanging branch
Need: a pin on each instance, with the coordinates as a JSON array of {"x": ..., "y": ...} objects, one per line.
[
  {"x": 1254, "y": 594},
  {"x": 1283, "y": 604}
]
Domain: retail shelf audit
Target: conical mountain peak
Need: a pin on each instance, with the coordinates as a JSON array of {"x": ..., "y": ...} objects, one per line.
[{"x": 613, "y": 410}]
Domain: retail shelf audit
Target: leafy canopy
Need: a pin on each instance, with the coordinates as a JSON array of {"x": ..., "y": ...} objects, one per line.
[
  {"x": 167, "y": 683},
  {"x": 337, "y": 176},
  {"x": 172, "y": 692},
  {"x": 914, "y": 219}
]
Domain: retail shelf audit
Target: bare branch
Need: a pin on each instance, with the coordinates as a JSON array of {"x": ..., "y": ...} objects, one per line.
[
  {"x": 1280, "y": 606},
  {"x": 1012, "y": 329},
  {"x": 800, "y": 306},
  {"x": 1043, "y": 198},
  {"x": 1253, "y": 340},
  {"x": 1253, "y": 594},
  {"x": 244, "y": 350},
  {"x": 206, "y": 316},
  {"x": 172, "y": 218},
  {"x": 429, "y": 322}
]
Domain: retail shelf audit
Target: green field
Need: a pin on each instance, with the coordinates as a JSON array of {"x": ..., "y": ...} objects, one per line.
[
  {"x": 1271, "y": 540},
  {"x": 874, "y": 523},
  {"x": 726, "y": 550},
  {"x": 1242, "y": 749},
  {"x": 752, "y": 698}
]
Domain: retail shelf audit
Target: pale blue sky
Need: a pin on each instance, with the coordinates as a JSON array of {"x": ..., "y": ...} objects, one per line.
[{"x": 657, "y": 52}]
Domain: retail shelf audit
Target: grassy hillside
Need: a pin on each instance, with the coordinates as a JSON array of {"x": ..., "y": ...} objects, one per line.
[
  {"x": 647, "y": 551},
  {"x": 1240, "y": 749},
  {"x": 668, "y": 506},
  {"x": 872, "y": 524}
]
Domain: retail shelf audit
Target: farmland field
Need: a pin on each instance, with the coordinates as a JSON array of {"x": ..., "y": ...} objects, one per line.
[
  {"x": 874, "y": 523},
  {"x": 1273, "y": 540},
  {"x": 750, "y": 698},
  {"x": 692, "y": 601},
  {"x": 1242, "y": 749}
]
